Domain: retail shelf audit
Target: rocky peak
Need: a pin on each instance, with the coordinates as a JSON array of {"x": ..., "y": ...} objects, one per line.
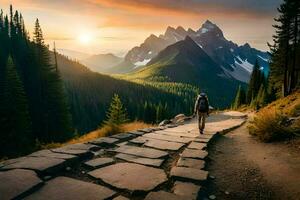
[{"x": 211, "y": 28}]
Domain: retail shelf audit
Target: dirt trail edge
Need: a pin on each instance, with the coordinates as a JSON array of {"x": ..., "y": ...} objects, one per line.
[{"x": 244, "y": 168}]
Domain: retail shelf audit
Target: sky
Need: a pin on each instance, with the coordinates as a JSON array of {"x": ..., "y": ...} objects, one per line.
[{"x": 115, "y": 26}]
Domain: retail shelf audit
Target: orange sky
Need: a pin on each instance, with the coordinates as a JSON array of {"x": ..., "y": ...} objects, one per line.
[{"x": 118, "y": 25}]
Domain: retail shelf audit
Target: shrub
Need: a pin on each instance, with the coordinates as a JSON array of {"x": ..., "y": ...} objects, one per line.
[{"x": 269, "y": 125}]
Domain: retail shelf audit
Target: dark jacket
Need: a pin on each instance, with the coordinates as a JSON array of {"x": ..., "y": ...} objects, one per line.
[{"x": 197, "y": 104}]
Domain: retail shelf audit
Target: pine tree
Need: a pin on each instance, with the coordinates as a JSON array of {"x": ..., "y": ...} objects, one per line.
[
  {"x": 15, "y": 122},
  {"x": 285, "y": 50},
  {"x": 256, "y": 79},
  {"x": 116, "y": 114},
  {"x": 55, "y": 117},
  {"x": 240, "y": 98}
]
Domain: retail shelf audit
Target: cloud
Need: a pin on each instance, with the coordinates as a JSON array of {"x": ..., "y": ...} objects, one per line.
[{"x": 193, "y": 7}]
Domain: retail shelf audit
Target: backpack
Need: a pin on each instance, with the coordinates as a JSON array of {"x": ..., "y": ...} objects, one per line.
[{"x": 202, "y": 105}]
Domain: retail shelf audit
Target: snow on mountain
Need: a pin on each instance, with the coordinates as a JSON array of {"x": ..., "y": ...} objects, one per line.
[{"x": 141, "y": 63}]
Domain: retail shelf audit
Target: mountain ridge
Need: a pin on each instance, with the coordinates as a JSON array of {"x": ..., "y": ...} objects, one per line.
[{"x": 237, "y": 61}]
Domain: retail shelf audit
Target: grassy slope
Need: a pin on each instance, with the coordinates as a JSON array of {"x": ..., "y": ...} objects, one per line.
[{"x": 273, "y": 123}]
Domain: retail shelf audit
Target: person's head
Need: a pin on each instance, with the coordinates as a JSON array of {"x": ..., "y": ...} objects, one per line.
[{"x": 202, "y": 94}]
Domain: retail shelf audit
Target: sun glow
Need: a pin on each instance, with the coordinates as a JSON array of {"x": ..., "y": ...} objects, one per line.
[{"x": 85, "y": 38}]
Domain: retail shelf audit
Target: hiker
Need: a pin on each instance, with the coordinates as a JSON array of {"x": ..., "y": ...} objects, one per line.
[{"x": 202, "y": 110}]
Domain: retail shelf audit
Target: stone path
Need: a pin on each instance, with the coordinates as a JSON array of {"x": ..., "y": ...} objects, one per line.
[{"x": 155, "y": 163}]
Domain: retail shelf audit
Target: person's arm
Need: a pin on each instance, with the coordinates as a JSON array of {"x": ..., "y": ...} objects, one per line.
[{"x": 196, "y": 105}]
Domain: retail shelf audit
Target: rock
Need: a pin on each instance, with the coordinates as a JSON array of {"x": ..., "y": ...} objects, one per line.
[
  {"x": 141, "y": 151},
  {"x": 180, "y": 118},
  {"x": 99, "y": 162},
  {"x": 139, "y": 140},
  {"x": 212, "y": 197},
  {"x": 171, "y": 125},
  {"x": 192, "y": 163},
  {"x": 191, "y": 153},
  {"x": 77, "y": 152},
  {"x": 16, "y": 183},
  {"x": 164, "y": 145},
  {"x": 97, "y": 153},
  {"x": 191, "y": 174},
  {"x": 41, "y": 164},
  {"x": 164, "y": 122},
  {"x": 130, "y": 176},
  {"x": 163, "y": 196},
  {"x": 182, "y": 134},
  {"x": 83, "y": 146},
  {"x": 48, "y": 153},
  {"x": 188, "y": 190},
  {"x": 146, "y": 130},
  {"x": 123, "y": 136},
  {"x": 197, "y": 145},
  {"x": 136, "y": 133},
  {"x": 70, "y": 189},
  {"x": 227, "y": 193},
  {"x": 105, "y": 141},
  {"x": 168, "y": 138},
  {"x": 139, "y": 160},
  {"x": 121, "y": 144}
]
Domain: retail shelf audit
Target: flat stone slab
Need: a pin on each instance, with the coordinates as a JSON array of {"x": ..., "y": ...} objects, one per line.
[
  {"x": 192, "y": 153},
  {"x": 83, "y": 146},
  {"x": 190, "y": 174},
  {"x": 15, "y": 183},
  {"x": 139, "y": 160},
  {"x": 164, "y": 145},
  {"x": 139, "y": 133},
  {"x": 48, "y": 153},
  {"x": 188, "y": 190},
  {"x": 197, "y": 145},
  {"x": 139, "y": 140},
  {"x": 70, "y": 189},
  {"x": 180, "y": 134},
  {"x": 130, "y": 176},
  {"x": 146, "y": 130},
  {"x": 123, "y": 136},
  {"x": 99, "y": 162},
  {"x": 192, "y": 163},
  {"x": 168, "y": 138},
  {"x": 77, "y": 152},
  {"x": 163, "y": 196},
  {"x": 141, "y": 151},
  {"x": 104, "y": 141},
  {"x": 42, "y": 164}
]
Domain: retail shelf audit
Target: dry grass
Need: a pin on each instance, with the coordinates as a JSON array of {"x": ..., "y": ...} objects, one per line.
[
  {"x": 268, "y": 125},
  {"x": 108, "y": 130},
  {"x": 101, "y": 132},
  {"x": 289, "y": 105},
  {"x": 272, "y": 123}
]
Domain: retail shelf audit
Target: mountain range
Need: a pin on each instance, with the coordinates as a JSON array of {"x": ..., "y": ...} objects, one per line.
[{"x": 236, "y": 61}]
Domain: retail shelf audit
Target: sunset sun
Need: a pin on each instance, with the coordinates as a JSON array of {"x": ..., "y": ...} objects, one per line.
[{"x": 84, "y": 38}]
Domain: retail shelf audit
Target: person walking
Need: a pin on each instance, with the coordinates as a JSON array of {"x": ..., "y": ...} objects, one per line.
[{"x": 202, "y": 110}]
